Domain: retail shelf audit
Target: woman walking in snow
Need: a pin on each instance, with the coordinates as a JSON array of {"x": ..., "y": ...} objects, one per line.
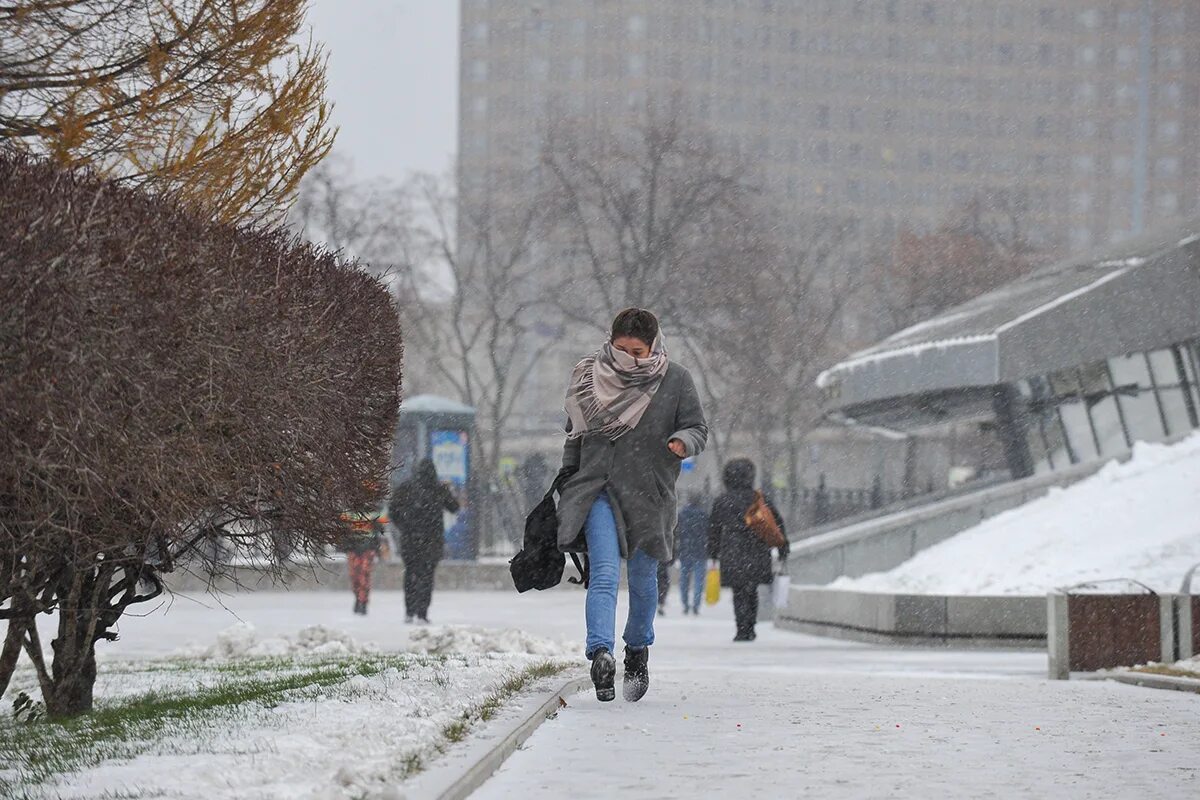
[
  {"x": 416, "y": 511},
  {"x": 744, "y": 558},
  {"x": 634, "y": 416}
]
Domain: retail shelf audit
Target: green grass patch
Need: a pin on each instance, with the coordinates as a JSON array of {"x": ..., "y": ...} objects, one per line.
[
  {"x": 201, "y": 702},
  {"x": 485, "y": 711},
  {"x": 32, "y": 753}
]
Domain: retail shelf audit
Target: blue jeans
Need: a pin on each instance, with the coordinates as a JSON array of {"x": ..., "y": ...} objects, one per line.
[
  {"x": 604, "y": 557},
  {"x": 691, "y": 580}
]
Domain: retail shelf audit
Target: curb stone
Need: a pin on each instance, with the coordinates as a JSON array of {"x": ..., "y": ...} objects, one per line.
[
  {"x": 462, "y": 783},
  {"x": 1151, "y": 681}
]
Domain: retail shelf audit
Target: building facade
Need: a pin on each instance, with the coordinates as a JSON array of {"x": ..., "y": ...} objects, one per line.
[{"x": 1081, "y": 116}]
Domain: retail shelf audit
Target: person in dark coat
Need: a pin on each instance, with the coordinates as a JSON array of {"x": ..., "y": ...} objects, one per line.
[
  {"x": 634, "y": 416},
  {"x": 693, "y": 549},
  {"x": 744, "y": 558},
  {"x": 416, "y": 511}
]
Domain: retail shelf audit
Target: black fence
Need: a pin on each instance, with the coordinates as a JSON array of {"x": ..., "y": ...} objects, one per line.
[{"x": 507, "y": 505}]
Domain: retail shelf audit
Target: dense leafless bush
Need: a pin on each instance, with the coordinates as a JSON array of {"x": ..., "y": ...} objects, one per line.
[{"x": 165, "y": 380}]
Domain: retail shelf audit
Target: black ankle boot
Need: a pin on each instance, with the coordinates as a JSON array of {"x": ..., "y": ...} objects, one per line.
[
  {"x": 604, "y": 674},
  {"x": 637, "y": 673}
]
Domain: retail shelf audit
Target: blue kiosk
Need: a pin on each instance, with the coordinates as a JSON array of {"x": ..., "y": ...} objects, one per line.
[{"x": 441, "y": 429}]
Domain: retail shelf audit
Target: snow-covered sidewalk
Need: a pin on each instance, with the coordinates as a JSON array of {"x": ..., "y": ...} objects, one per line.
[
  {"x": 715, "y": 730},
  {"x": 785, "y": 716}
]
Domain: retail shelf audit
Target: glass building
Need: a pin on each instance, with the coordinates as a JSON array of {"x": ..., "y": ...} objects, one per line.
[{"x": 1070, "y": 364}]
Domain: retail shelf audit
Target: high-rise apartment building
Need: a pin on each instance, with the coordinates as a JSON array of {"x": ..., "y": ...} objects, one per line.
[{"x": 1081, "y": 115}]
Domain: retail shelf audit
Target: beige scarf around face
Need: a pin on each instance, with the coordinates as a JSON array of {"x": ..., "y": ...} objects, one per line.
[{"x": 610, "y": 390}]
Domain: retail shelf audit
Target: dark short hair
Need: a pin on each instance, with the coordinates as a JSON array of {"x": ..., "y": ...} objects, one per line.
[{"x": 638, "y": 323}]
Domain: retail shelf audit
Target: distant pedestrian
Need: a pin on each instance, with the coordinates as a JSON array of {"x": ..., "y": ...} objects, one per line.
[
  {"x": 363, "y": 544},
  {"x": 416, "y": 511},
  {"x": 664, "y": 585},
  {"x": 634, "y": 417},
  {"x": 693, "y": 546},
  {"x": 745, "y": 559}
]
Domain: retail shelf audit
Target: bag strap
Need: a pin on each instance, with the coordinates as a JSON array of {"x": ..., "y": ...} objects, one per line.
[
  {"x": 560, "y": 480},
  {"x": 585, "y": 570}
]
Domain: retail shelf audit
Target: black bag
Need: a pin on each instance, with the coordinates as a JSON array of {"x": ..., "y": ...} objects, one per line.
[{"x": 540, "y": 563}]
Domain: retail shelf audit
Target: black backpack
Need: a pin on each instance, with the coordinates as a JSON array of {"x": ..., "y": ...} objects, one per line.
[{"x": 540, "y": 563}]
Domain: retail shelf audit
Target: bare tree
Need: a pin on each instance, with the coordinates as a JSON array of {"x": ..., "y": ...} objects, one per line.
[
  {"x": 371, "y": 221},
  {"x": 662, "y": 218},
  {"x": 978, "y": 248},
  {"x": 473, "y": 292}
]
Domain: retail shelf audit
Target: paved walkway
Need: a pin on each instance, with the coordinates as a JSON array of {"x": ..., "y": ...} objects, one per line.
[
  {"x": 795, "y": 716},
  {"x": 789, "y": 715}
]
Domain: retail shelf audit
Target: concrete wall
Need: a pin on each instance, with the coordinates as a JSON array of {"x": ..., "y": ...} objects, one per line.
[
  {"x": 916, "y": 619},
  {"x": 332, "y": 576},
  {"x": 882, "y": 543}
]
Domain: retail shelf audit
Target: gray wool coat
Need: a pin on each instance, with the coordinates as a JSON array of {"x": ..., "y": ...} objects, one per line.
[{"x": 637, "y": 469}]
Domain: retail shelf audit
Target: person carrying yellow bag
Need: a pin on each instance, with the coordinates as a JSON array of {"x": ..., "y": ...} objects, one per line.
[{"x": 712, "y": 584}]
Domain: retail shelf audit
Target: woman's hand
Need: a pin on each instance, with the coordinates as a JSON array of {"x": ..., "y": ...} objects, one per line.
[{"x": 678, "y": 448}]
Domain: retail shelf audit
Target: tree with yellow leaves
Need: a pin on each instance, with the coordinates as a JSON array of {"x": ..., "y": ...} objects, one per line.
[{"x": 220, "y": 102}]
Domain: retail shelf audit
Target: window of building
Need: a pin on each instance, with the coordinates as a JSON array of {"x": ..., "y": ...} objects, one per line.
[
  {"x": 1167, "y": 202},
  {"x": 1172, "y": 58},
  {"x": 636, "y": 26},
  {"x": 1167, "y": 167},
  {"x": 479, "y": 70},
  {"x": 1173, "y": 392},
  {"x": 1073, "y": 414},
  {"x": 822, "y": 118},
  {"x": 1168, "y": 131},
  {"x": 924, "y": 160},
  {"x": 928, "y": 13},
  {"x": 1131, "y": 380}
]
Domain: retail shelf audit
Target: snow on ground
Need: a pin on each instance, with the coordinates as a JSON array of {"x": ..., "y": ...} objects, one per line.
[
  {"x": 716, "y": 731},
  {"x": 367, "y": 702},
  {"x": 1137, "y": 520},
  {"x": 817, "y": 716}
]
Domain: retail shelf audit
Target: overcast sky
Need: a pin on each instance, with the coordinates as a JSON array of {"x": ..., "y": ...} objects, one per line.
[{"x": 393, "y": 78}]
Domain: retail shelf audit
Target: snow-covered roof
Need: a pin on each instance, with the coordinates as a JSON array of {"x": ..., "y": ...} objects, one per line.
[
  {"x": 433, "y": 404},
  {"x": 1136, "y": 295}
]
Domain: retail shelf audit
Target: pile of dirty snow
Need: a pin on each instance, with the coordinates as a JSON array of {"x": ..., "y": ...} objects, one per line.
[
  {"x": 1139, "y": 521},
  {"x": 472, "y": 640},
  {"x": 243, "y": 641}
]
